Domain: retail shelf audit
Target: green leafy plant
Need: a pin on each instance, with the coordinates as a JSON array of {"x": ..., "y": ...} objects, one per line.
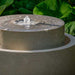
[
  {"x": 20, "y": 7},
  {"x": 60, "y": 9},
  {"x": 70, "y": 28},
  {"x": 53, "y": 8}
]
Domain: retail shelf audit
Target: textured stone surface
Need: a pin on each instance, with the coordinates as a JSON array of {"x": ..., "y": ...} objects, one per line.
[
  {"x": 41, "y": 36},
  {"x": 44, "y": 22},
  {"x": 57, "y": 61}
]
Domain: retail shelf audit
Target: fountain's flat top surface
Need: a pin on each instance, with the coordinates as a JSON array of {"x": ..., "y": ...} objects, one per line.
[{"x": 44, "y": 23}]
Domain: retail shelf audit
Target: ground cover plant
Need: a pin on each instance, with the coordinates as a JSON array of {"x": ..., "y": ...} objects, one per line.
[{"x": 63, "y": 9}]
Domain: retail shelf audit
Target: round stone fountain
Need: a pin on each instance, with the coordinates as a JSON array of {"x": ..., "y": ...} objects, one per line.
[{"x": 35, "y": 45}]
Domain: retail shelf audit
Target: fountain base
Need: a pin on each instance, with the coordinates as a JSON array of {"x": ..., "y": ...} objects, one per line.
[{"x": 56, "y": 61}]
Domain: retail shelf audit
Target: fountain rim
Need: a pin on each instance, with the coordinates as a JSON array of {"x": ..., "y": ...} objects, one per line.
[
  {"x": 70, "y": 44},
  {"x": 35, "y": 30}
]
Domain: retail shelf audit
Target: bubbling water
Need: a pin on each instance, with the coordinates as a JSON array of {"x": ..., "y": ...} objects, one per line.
[{"x": 27, "y": 22}]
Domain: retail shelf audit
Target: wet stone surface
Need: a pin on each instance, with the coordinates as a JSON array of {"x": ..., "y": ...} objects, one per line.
[{"x": 44, "y": 23}]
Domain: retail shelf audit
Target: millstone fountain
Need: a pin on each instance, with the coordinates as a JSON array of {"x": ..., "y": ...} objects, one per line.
[{"x": 35, "y": 45}]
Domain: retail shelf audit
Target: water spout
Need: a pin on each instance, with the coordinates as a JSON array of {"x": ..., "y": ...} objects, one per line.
[{"x": 27, "y": 20}]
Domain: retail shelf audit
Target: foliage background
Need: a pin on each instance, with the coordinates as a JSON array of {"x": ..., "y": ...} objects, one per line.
[{"x": 63, "y": 9}]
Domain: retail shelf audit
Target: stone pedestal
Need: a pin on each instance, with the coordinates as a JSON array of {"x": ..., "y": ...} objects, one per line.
[{"x": 47, "y": 34}]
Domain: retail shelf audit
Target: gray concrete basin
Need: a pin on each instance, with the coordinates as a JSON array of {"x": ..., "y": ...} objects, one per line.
[{"x": 56, "y": 61}]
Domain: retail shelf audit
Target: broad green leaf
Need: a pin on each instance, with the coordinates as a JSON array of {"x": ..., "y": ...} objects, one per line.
[
  {"x": 8, "y": 2},
  {"x": 65, "y": 9},
  {"x": 40, "y": 8},
  {"x": 4, "y": 4},
  {"x": 2, "y": 8},
  {"x": 37, "y": 12}
]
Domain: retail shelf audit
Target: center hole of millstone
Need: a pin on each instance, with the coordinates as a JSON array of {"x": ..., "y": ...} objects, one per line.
[{"x": 27, "y": 22}]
